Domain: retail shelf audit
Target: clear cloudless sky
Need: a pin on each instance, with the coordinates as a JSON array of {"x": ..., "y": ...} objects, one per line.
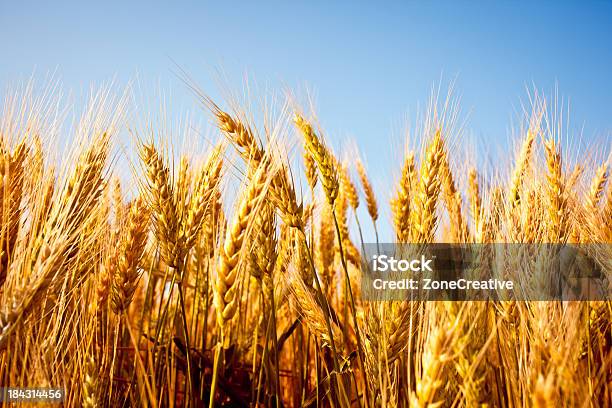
[{"x": 369, "y": 64}]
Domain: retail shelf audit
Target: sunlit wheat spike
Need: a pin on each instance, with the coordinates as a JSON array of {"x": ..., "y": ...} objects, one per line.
[
  {"x": 325, "y": 245},
  {"x": 282, "y": 194},
  {"x": 118, "y": 204},
  {"x": 11, "y": 191},
  {"x": 285, "y": 249},
  {"x": 435, "y": 354},
  {"x": 607, "y": 214},
  {"x": 350, "y": 251},
  {"x": 312, "y": 314},
  {"x": 160, "y": 192},
  {"x": 452, "y": 199},
  {"x": 347, "y": 186},
  {"x": 301, "y": 261},
  {"x": 231, "y": 253},
  {"x": 428, "y": 191},
  {"x": 86, "y": 184},
  {"x": 387, "y": 329},
  {"x": 78, "y": 205},
  {"x": 104, "y": 279},
  {"x": 597, "y": 188},
  {"x": 368, "y": 191},
  {"x": 557, "y": 209},
  {"x": 321, "y": 155},
  {"x": 475, "y": 200},
  {"x": 131, "y": 248},
  {"x": 214, "y": 219},
  {"x": 401, "y": 203},
  {"x": 90, "y": 383},
  {"x": 201, "y": 199},
  {"x": 263, "y": 255},
  {"x": 574, "y": 176},
  {"x": 241, "y": 135},
  {"x": 310, "y": 169},
  {"x": 521, "y": 167}
]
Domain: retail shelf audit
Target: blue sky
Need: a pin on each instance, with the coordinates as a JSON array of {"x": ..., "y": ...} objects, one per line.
[{"x": 369, "y": 64}]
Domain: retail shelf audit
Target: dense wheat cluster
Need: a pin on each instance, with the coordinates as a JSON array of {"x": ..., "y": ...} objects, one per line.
[{"x": 143, "y": 275}]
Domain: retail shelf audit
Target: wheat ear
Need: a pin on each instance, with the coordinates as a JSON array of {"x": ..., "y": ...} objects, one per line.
[
  {"x": 310, "y": 169},
  {"x": 241, "y": 135},
  {"x": 348, "y": 187},
  {"x": 429, "y": 189},
  {"x": 11, "y": 190},
  {"x": 475, "y": 203},
  {"x": 313, "y": 314},
  {"x": 368, "y": 191},
  {"x": 452, "y": 199},
  {"x": 201, "y": 198},
  {"x": 402, "y": 201},
  {"x": 555, "y": 191},
  {"x": 522, "y": 165},
  {"x": 131, "y": 248},
  {"x": 90, "y": 384},
  {"x": 597, "y": 189},
  {"x": 321, "y": 156},
  {"x": 433, "y": 357},
  {"x": 226, "y": 300},
  {"x": 162, "y": 202}
]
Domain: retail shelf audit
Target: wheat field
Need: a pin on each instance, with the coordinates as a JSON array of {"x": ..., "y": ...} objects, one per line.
[{"x": 138, "y": 274}]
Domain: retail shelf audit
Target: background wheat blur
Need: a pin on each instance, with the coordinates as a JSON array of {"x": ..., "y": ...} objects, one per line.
[{"x": 139, "y": 275}]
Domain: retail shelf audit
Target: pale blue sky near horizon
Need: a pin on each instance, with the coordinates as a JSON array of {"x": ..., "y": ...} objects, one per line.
[{"x": 368, "y": 64}]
